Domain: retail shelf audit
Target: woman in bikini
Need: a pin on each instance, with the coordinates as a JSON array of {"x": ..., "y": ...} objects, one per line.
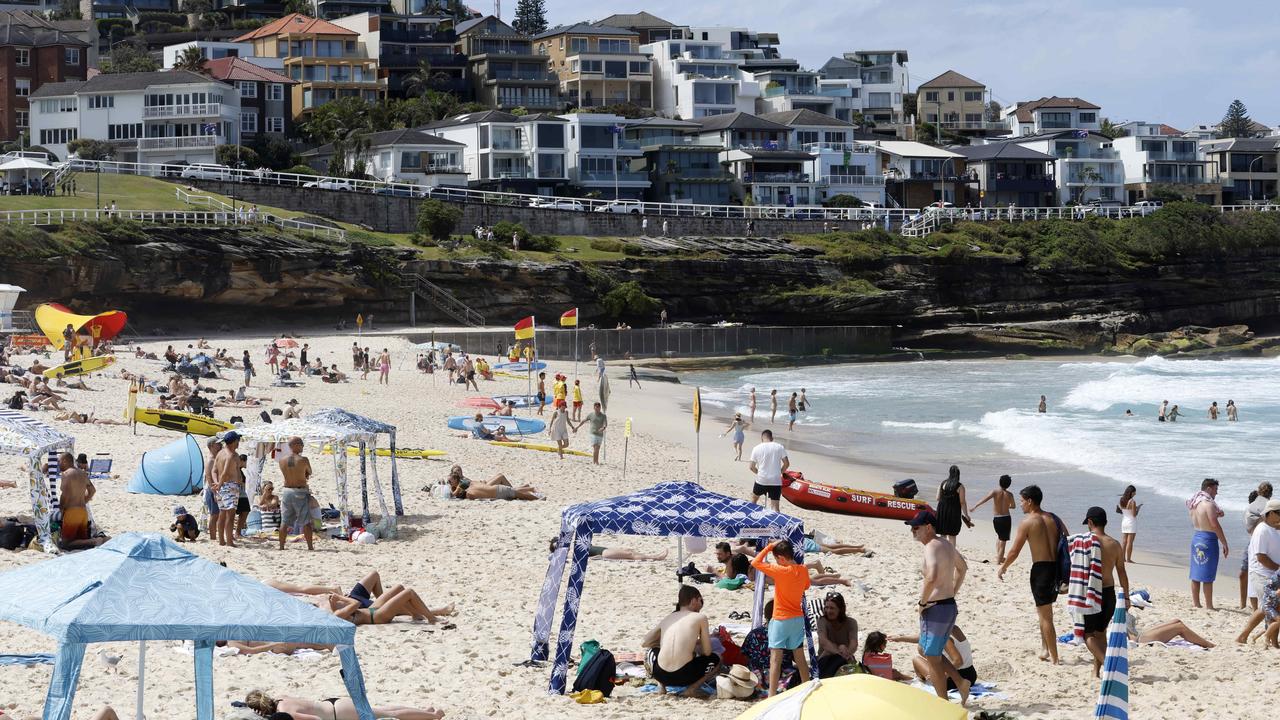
[
  {"x": 384, "y": 608},
  {"x": 330, "y": 709}
]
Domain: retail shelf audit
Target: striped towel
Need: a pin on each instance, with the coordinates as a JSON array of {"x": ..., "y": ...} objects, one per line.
[{"x": 1084, "y": 593}]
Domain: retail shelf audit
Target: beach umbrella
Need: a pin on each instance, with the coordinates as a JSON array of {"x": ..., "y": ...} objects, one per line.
[
  {"x": 872, "y": 696},
  {"x": 286, "y": 343},
  {"x": 1113, "y": 695}
]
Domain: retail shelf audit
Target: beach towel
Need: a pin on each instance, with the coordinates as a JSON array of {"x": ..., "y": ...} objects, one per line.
[
  {"x": 1201, "y": 497},
  {"x": 979, "y": 690},
  {"x": 1084, "y": 594}
]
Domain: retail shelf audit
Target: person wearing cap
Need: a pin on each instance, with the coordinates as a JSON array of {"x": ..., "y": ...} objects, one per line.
[
  {"x": 1204, "y": 511},
  {"x": 944, "y": 570},
  {"x": 1040, "y": 530},
  {"x": 1264, "y": 561},
  {"x": 184, "y": 526},
  {"x": 1095, "y": 625},
  {"x": 226, "y": 488},
  {"x": 1164, "y": 632}
]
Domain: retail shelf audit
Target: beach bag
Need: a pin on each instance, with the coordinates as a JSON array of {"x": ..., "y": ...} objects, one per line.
[
  {"x": 15, "y": 535},
  {"x": 880, "y": 664},
  {"x": 732, "y": 654},
  {"x": 597, "y": 673},
  {"x": 1064, "y": 557}
]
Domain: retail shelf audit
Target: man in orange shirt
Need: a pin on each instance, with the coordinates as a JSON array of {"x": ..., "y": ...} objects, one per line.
[{"x": 786, "y": 629}]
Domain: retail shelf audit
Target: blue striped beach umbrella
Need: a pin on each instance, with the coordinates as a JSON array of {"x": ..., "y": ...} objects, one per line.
[{"x": 1113, "y": 696}]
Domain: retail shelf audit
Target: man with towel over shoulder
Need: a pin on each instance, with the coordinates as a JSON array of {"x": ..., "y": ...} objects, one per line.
[{"x": 1205, "y": 541}]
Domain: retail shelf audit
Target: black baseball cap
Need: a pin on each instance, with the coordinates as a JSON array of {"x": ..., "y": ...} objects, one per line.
[
  {"x": 924, "y": 517},
  {"x": 1095, "y": 514}
]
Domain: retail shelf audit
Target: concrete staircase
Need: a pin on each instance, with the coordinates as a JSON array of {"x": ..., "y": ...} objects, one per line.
[{"x": 439, "y": 298}]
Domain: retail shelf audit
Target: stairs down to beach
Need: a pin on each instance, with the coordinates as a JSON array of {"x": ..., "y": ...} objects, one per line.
[{"x": 439, "y": 298}]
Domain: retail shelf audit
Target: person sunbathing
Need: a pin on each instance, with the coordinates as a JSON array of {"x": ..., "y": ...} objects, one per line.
[
  {"x": 617, "y": 553},
  {"x": 76, "y": 418},
  {"x": 330, "y": 709},
  {"x": 480, "y": 432},
  {"x": 73, "y": 384},
  {"x": 279, "y": 648},
  {"x": 508, "y": 409},
  {"x": 385, "y": 608},
  {"x": 8, "y": 484},
  {"x": 498, "y": 488}
]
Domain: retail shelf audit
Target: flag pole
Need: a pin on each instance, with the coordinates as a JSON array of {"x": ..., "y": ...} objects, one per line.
[{"x": 576, "y": 324}]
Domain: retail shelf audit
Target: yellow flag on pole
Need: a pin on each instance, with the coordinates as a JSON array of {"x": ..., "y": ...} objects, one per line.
[{"x": 697, "y": 409}]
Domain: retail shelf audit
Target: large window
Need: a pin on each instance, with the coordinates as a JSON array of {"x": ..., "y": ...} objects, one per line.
[
  {"x": 639, "y": 67},
  {"x": 410, "y": 161},
  {"x": 550, "y": 165},
  {"x": 973, "y": 96},
  {"x": 592, "y": 66},
  {"x": 615, "y": 69},
  {"x": 125, "y": 131},
  {"x": 22, "y": 118},
  {"x": 596, "y": 136},
  {"x": 1088, "y": 118},
  {"x": 578, "y": 45},
  {"x": 59, "y": 105},
  {"x": 101, "y": 101},
  {"x": 712, "y": 94},
  {"x": 538, "y": 97},
  {"x": 615, "y": 46},
  {"x": 551, "y": 135},
  {"x": 22, "y": 87},
  {"x": 275, "y": 125},
  {"x": 804, "y": 137},
  {"x": 57, "y": 136},
  {"x": 508, "y": 96},
  {"x": 248, "y": 89},
  {"x": 71, "y": 56},
  {"x": 248, "y": 122},
  {"x": 275, "y": 91},
  {"x": 22, "y": 57},
  {"x": 1055, "y": 120},
  {"x": 931, "y": 96}
]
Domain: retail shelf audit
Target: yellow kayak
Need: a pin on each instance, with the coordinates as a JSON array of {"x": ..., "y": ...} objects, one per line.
[
  {"x": 79, "y": 367},
  {"x": 539, "y": 446},
  {"x": 400, "y": 452},
  {"x": 179, "y": 421}
]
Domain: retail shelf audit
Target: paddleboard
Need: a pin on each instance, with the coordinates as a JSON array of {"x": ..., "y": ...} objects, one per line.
[
  {"x": 179, "y": 421},
  {"x": 520, "y": 367},
  {"x": 539, "y": 446},
  {"x": 519, "y": 400},
  {"x": 386, "y": 452},
  {"x": 523, "y": 426},
  {"x": 80, "y": 367}
]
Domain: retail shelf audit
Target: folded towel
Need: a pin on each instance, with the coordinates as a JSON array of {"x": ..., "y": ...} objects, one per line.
[{"x": 1084, "y": 594}]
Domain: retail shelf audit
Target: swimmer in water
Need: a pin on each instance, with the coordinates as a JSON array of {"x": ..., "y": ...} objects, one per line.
[{"x": 1128, "y": 413}]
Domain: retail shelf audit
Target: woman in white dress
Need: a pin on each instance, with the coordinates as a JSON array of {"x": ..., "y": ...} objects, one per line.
[
  {"x": 559, "y": 428},
  {"x": 1128, "y": 508}
]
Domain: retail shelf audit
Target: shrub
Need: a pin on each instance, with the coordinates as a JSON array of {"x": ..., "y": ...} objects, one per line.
[
  {"x": 502, "y": 232},
  {"x": 632, "y": 250},
  {"x": 90, "y": 149},
  {"x": 628, "y": 301},
  {"x": 606, "y": 245},
  {"x": 542, "y": 243},
  {"x": 843, "y": 201},
  {"x": 438, "y": 219},
  {"x": 301, "y": 170}
]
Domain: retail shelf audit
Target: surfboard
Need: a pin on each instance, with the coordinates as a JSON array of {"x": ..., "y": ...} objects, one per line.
[
  {"x": 80, "y": 367},
  {"x": 520, "y": 367},
  {"x": 524, "y": 426},
  {"x": 179, "y": 421},
  {"x": 400, "y": 452},
  {"x": 539, "y": 446}
]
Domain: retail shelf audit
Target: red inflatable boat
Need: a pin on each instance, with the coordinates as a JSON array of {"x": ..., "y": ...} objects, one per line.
[{"x": 812, "y": 495}]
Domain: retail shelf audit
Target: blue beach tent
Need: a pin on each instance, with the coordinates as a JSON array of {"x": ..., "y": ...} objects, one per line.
[
  {"x": 666, "y": 509},
  {"x": 173, "y": 469},
  {"x": 125, "y": 591}
]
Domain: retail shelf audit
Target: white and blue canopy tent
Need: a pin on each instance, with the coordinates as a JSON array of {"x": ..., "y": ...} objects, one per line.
[
  {"x": 348, "y": 419},
  {"x": 670, "y": 508},
  {"x": 124, "y": 591},
  {"x": 33, "y": 440}
]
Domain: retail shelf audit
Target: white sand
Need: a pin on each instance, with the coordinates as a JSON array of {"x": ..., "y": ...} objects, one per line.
[{"x": 490, "y": 558}]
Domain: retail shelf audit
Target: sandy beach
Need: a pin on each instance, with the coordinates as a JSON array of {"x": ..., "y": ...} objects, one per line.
[{"x": 490, "y": 558}]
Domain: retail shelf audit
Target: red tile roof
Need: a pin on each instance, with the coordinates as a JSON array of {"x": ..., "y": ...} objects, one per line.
[
  {"x": 231, "y": 69},
  {"x": 294, "y": 24}
]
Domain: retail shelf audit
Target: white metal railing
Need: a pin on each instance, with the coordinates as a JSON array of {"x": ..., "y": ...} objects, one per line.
[
  {"x": 241, "y": 216},
  {"x": 189, "y": 142},
  {"x": 250, "y": 214},
  {"x": 852, "y": 179},
  {"x": 151, "y": 112}
]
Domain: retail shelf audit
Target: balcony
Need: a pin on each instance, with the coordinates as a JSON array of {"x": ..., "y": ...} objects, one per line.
[
  {"x": 1104, "y": 179},
  {"x": 535, "y": 75},
  {"x": 1176, "y": 178},
  {"x": 1020, "y": 185},
  {"x": 972, "y": 125},
  {"x": 416, "y": 36},
  {"x": 855, "y": 148},
  {"x": 1086, "y": 154},
  {"x": 696, "y": 172},
  {"x": 155, "y": 112},
  {"x": 777, "y": 177},
  {"x": 436, "y": 59},
  {"x": 862, "y": 180},
  {"x": 190, "y": 142},
  {"x": 512, "y": 174},
  {"x": 608, "y": 177},
  {"x": 509, "y": 144},
  {"x": 1174, "y": 156}
]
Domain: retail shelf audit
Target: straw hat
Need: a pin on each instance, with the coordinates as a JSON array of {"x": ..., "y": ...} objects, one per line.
[{"x": 740, "y": 683}]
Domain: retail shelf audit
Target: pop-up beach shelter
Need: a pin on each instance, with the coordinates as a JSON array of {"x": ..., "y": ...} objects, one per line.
[
  {"x": 33, "y": 441},
  {"x": 670, "y": 508},
  {"x": 173, "y": 469},
  {"x": 348, "y": 419},
  {"x": 130, "y": 590}
]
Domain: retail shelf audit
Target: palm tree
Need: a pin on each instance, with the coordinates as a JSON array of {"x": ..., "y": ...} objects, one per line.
[
  {"x": 421, "y": 80},
  {"x": 190, "y": 60}
]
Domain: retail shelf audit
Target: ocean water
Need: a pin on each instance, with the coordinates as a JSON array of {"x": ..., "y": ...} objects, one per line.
[{"x": 921, "y": 417}]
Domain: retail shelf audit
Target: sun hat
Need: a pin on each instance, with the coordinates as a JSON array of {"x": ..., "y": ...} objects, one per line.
[
  {"x": 1272, "y": 506},
  {"x": 739, "y": 683},
  {"x": 1141, "y": 599}
]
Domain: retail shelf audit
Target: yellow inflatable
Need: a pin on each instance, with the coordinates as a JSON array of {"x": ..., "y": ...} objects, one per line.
[{"x": 53, "y": 320}]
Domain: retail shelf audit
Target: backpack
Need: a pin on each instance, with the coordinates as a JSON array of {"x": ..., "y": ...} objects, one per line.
[
  {"x": 1064, "y": 555},
  {"x": 597, "y": 673},
  {"x": 15, "y": 535}
]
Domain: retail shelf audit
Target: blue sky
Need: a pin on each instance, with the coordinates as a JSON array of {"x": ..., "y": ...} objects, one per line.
[{"x": 1139, "y": 60}]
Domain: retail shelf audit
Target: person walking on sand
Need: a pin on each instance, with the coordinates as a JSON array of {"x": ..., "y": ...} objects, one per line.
[
  {"x": 1208, "y": 535},
  {"x": 751, "y": 403},
  {"x": 1128, "y": 509},
  {"x": 738, "y": 428},
  {"x": 773, "y": 406},
  {"x": 1252, "y": 516},
  {"x": 786, "y": 627},
  {"x": 1001, "y": 505},
  {"x": 384, "y": 368},
  {"x": 792, "y": 409},
  {"x": 541, "y": 397},
  {"x": 1232, "y": 412},
  {"x": 1164, "y": 410},
  {"x": 295, "y": 498},
  {"x": 1044, "y": 405},
  {"x": 944, "y": 570},
  {"x": 768, "y": 461},
  {"x": 1263, "y": 558},
  {"x": 952, "y": 506},
  {"x": 1213, "y": 410},
  {"x": 558, "y": 428},
  {"x": 599, "y": 422},
  {"x": 355, "y": 357},
  {"x": 226, "y": 487},
  {"x": 248, "y": 368},
  {"x": 632, "y": 377},
  {"x": 365, "y": 364},
  {"x": 1041, "y": 530},
  {"x": 1095, "y": 625}
]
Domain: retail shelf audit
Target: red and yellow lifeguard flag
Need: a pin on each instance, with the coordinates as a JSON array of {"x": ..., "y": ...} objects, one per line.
[
  {"x": 524, "y": 329},
  {"x": 569, "y": 319}
]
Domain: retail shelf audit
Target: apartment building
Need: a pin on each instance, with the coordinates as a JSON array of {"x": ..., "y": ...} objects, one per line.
[
  {"x": 405, "y": 156},
  {"x": 763, "y": 157},
  {"x": 1088, "y": 167},
  {"x": 1246, "y": 167},
  {"x": 1006, "y": 174},
  {"x": 916, "y": 174},
  {"x": 696, "y": 78},
  {"x": 326, "y": 61},
  {"x": 741, "y": 43},
  {"x": 649, "y": 28},
  {"x": 216, "y": 50},
  {"x": 598, "y": 65},
  {"x": 956, "y": 103},
  {"x": 1155, "y": 161},
  {"x": 881, "y": 80},
  {"x": 503, "y": 70},
  {"x": 680, "y": 169},
  {"x": 266, "y": 97},
  {"x": 840, "y": 165},
  {"x": 600, "y": 157},
  {"x": 401, "y": 43},
  {"x": 1050, "y": 114},
  {"x": 514, "y": 153},
  {"x": 154, "y": 117},
  {"x": 33, "y": 52}
]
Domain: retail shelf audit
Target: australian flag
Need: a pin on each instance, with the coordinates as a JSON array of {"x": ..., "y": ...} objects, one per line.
[
  {"x": 770, "y": 144},
  {"x": 616, "y": 129},
  {"x": 209, "y": 129},
  {"x": 1080, "y": 134}
]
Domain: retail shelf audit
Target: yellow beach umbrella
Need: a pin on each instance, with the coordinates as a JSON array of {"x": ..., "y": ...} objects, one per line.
[{"x": 855, "y": 697}]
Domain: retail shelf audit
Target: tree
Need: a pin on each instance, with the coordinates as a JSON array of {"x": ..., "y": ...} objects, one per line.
[
  {"x": 67, "y": 10},
  {"x": 438, "y": 219},
  {"x": 1112, "y": 130},
  {"x": 302, "y": 7},
  {"x": 274, "y": 151},
  {"x": 191, "y": 60},
  {"x": 423, "y": 79},
  {"x": 90, "y": 149},
  {"x": 1236, "y": 123},
  {"x": 628, "y": 301},
  {"x": 236, "y": 156},
  {"x": 531, "y": 17},
  {"x": 993, "y": 111},
  {"x": 1091, "y": 177},
  {"x": 127, "y": 57}
]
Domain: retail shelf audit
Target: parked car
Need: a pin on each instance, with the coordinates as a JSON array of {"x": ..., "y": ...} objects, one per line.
[
  {"x": 722, "y": 211},
  {"x": 1146, "y": 207},
  {"x": 402, "y": 191},
  {"x": 634, "y": 207},
  {"x": 206, "y": 171},
  {"x": 807, "y": 213},
  {"x": 558, "y": 204},
  {"x": 330, "y": 184}
]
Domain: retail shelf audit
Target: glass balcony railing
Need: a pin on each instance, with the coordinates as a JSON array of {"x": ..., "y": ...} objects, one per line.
[
  {"x": 853, "y": 179},
  {"x": 523, "y": 75},
  {"x": 775, "y": 177},
  {"x": 1100, "y": 154},
  {"x": 609, "y": 177}
]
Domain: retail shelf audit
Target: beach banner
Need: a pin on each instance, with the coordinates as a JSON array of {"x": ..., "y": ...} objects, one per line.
[
  {"x": 697, "y": 409},
  {"x": 524, "y": 329},
  {"x": 697, "y": 435}
]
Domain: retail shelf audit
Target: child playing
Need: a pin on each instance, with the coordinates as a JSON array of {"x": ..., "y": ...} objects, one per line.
[
  {"x": 879, "y": 662},
  {"x": 1001, "y": 503},
  {"x": 184, "y": 526},
  {"x": 786, "y": 628}
]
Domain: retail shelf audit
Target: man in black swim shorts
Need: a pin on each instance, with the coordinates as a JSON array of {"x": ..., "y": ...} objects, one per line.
[{"x": 1040, "y": 530}]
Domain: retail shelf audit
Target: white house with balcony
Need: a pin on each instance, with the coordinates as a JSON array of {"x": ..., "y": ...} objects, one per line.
[
  {"x": 1088, "y": 167},
  {"x": 763, "y": 157},
  {"x": 514, "y": 153},
  {"x": 1165, "y": 164},
  {"x": 840, "y": 165},
  {"x": 696, "y": 78},
  {"x": 152, "y": 117},
  {"x": 218, "y": 49},
  {"x": 880, "y": 79},
  {"x": 601, "y": 157},
  {"x": 1050, "y": 114},
  {"x": 402, "y": 156},
  {"x": 916, "y": 174}
]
